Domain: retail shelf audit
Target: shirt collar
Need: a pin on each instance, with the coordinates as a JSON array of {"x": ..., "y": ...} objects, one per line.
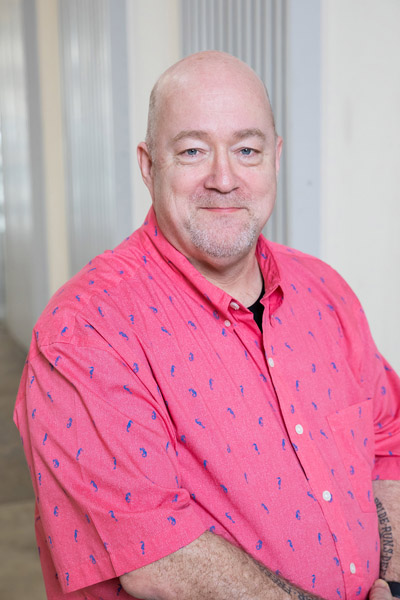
[{"x": 196, "y": 284}]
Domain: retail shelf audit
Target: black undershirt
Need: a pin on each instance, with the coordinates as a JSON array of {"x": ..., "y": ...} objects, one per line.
[{"x": 257, "y": 309}]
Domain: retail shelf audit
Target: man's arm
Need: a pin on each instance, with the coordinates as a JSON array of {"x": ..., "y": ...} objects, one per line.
[
  {"x": 387, "y": 500},
  {"x": 212, "y": 568},
  {"x": 209, "y": 567}
]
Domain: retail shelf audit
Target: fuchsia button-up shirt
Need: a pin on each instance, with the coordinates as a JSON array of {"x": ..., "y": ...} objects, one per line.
[{"x": 152, "y": 408}]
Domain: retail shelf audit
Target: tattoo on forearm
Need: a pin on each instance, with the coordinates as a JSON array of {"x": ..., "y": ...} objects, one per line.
[
  {"x": 386, "y": 536},
  {"x": 288, "y": 588}
]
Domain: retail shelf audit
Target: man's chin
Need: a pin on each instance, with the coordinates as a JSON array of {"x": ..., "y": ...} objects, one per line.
[{"x": 219, "y": 245}]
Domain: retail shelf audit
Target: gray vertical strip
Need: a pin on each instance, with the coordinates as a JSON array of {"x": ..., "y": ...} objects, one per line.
[
  {"x": 121, "y": 111},
  {"x": 184, "y": 25},
  {"x": 257, "y": 42},
  {"x": 304, "y": 115},
  {"x": 279, "y": 227},
  {"x": 38, "y": 256},
  {"x": 237, "y": 20},
  {"x": 2, "y": 226},
  {"x": 223, "y": 24},
  {"x": 228, "y": 14},
  {"x": 212, "y": 23}
]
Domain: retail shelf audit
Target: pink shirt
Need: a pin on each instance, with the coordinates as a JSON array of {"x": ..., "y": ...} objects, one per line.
[{"x": 152, "y": 408}]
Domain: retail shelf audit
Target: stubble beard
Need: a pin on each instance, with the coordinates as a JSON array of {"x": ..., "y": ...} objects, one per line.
[{"x": 222, "y": 236}]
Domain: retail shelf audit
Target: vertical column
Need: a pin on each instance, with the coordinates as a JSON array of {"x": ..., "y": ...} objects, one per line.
[
  {"x": 153, "y": 45},
  {"x": 94, "y": 74},
  {"x": 52, "y": 141},
  {"x": 16, "y": 172},
  {"x": 22, "y": 153},
  {"x": 303, "y": 137}
]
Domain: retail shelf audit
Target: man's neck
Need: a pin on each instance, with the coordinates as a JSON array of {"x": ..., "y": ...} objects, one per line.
[{"x": 242, "y": 280}]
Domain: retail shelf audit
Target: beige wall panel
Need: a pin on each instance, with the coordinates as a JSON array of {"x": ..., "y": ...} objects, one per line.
[
  {"x": 54, "y": 181},
  {"x": 361, "y": 157},
  {"x": 154, "y": 44}
]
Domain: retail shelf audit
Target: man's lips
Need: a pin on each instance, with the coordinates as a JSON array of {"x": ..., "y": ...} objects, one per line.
[{"x": 223, "y": 209}]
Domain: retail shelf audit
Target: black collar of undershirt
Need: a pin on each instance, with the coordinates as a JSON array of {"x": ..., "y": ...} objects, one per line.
[{"x": 257, "y": 308}]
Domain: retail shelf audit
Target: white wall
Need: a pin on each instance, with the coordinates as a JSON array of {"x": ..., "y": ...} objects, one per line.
[{"x": 361, "y": 157}]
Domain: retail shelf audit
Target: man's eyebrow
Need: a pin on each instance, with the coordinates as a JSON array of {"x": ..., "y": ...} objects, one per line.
[
  {"x": 246, "y": 133},
  {"x": 197, "y": 134}
]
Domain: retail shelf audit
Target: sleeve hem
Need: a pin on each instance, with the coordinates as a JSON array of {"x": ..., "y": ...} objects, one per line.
[
  {"x": 387, "y": 467},
  {"x": 131, "y": 556}
]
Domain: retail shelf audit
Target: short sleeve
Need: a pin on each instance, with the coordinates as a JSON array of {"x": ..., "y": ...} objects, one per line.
[
  {"x": 379, "y": 382},
  {"x": 101, "y": 449},
  {"x": 382, "y": 385},
  {"x": 387, "y": 422}
]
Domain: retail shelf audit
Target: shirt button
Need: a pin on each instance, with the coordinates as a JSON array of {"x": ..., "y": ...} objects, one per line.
[
  {"x": 271, "y": 362},
  {"x": 352, "y": 568},
  {"x": 234, "y": 305},
  {"x": 327, "y": 496},
  {"x": 299, "y": 429},
  {"x": 227, "y": 323}
]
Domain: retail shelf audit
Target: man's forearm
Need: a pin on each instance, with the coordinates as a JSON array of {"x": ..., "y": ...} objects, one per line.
[
  {"x": 209, "y": 567},
  {"x": 387, "y": 501}
]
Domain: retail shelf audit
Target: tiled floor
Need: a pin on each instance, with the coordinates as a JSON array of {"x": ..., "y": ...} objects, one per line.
[{"x": 20, "y": 573}]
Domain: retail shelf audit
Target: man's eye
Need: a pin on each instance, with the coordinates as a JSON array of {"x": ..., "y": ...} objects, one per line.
[
  {"x": 247, "y": 151},
  {"x": 191, "y": 152}
]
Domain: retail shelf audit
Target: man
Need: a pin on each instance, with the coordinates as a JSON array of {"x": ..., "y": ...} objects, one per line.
[{"x": 183, "y": 445}]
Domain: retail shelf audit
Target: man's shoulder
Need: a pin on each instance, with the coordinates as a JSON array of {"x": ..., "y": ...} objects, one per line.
[
  {"x": 290, "y": 258},
  {"x": 99, "y": 283},
  {"x": 308, "y": 270}
]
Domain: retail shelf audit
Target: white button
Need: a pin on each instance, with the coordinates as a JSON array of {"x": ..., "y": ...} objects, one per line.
[
  {"x": 234, "y": 305},
  {"x": 227, "y": 323},
  {"x": 299, "y": 429},
  {"x": 327, "y": 495},
  {"x": 271, "y": 362},
  {"x": 352, "y": 568}
]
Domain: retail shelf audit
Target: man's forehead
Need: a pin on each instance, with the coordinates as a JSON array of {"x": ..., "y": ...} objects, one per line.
[
  {"x": 233, "y": 112},
  {"x": 214, "y": 95},
  {"x": 209, "y": 72}
]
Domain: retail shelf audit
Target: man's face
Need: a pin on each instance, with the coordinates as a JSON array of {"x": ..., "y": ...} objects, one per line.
[{"x": 214, "y": 168}]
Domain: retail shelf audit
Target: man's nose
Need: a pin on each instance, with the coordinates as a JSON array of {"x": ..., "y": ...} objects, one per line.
[{"x": 221, "y": 176}]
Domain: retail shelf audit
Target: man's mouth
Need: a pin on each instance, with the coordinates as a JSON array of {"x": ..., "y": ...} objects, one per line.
[{"x": 222, "y": 209}]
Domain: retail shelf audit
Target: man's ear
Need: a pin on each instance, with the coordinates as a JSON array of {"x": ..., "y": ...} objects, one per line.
[
  {"x": 146, "y": 165},
  {"x": 278, "y": 152}
]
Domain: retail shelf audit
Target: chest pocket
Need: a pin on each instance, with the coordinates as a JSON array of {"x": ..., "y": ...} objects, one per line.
[{"x": 353, "y": 430}]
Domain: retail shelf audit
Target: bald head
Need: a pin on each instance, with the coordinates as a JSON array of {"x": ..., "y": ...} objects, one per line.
[{"x": 195, "y": 71}]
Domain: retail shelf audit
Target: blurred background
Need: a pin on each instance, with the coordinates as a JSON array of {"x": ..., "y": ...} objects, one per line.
[{"x": 75, "y": 76}]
